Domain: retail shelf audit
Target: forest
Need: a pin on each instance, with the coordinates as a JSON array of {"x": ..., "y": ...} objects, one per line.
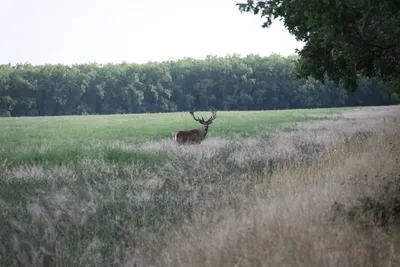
[{"x": 232, "y": 82}]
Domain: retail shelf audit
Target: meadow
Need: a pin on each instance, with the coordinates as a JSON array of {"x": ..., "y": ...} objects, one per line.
[
  {"x": 316, "y": 187},
  {"x": 66, "y": 139}
]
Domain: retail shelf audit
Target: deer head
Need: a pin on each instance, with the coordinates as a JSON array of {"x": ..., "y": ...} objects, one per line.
[{"x": 195, "y": 136}]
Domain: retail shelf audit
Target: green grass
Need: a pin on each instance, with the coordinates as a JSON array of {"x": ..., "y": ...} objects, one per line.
[
  {"x": 137, "y": 127},
  {"x": 67, "y": 135}
]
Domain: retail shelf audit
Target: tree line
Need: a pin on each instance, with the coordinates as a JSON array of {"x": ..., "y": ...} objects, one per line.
[{"x": 224, "y": 83}]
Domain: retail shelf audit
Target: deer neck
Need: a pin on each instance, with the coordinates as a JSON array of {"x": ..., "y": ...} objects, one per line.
[{"x": 204, "y": 130}]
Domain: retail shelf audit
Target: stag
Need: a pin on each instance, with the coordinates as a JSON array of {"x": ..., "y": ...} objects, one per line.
[{"x": 195, "y": 136}]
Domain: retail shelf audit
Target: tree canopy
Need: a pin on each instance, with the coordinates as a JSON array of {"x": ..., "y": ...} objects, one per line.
[
  {"x": 224, "y": 83},
  {"x": 344, "y": 39}
]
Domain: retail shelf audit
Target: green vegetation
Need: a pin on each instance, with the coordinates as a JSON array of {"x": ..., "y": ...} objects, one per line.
[
  {"x": 68, "y": 139},
  {"x": 344, "y": 39},
  {"x": 228, "y": 83}
]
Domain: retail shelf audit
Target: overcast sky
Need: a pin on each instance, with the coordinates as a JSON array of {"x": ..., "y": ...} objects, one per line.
[{"x": 82, "y": 31}]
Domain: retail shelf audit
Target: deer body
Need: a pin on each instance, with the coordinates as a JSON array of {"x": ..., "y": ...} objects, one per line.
[{"x": 195, "y": 136}]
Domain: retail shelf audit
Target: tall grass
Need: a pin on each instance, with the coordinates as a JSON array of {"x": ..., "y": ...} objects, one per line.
[
  {"x": 343, "y": 210},
  {"x": 314, "y": 193}
]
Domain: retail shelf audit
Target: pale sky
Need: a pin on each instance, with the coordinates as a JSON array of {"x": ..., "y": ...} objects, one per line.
[{"x": 82, "y": 31}]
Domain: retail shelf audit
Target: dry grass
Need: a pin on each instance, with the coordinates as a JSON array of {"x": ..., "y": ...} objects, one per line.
[
  {"x": 291, "y": 222},
  {"x": 299, "y": 215},
  {"x": 322, "y": 193}
]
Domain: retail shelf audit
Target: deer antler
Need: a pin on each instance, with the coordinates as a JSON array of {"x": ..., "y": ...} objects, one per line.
[
  {"x": 213, "y": 116},
  {"x": 196, "y": 119}
]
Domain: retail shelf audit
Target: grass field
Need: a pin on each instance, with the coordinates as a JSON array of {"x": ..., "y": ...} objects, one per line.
[
  {"x": 314, "y": 187},
  {"x": 60, "y": 140}
]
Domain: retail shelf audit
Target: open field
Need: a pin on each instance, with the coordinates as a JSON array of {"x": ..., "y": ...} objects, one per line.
[
  {"x": 316, "y": 187},
  {"x": 68, "y": 139}
]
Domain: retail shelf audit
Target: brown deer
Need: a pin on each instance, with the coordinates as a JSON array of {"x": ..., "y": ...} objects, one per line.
[{"x": 195, "y": 136}]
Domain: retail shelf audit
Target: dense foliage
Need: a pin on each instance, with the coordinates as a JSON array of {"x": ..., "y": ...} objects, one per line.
[
  {"x": 343, "y": 38},
  {"x": 228, "y": 83}
]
